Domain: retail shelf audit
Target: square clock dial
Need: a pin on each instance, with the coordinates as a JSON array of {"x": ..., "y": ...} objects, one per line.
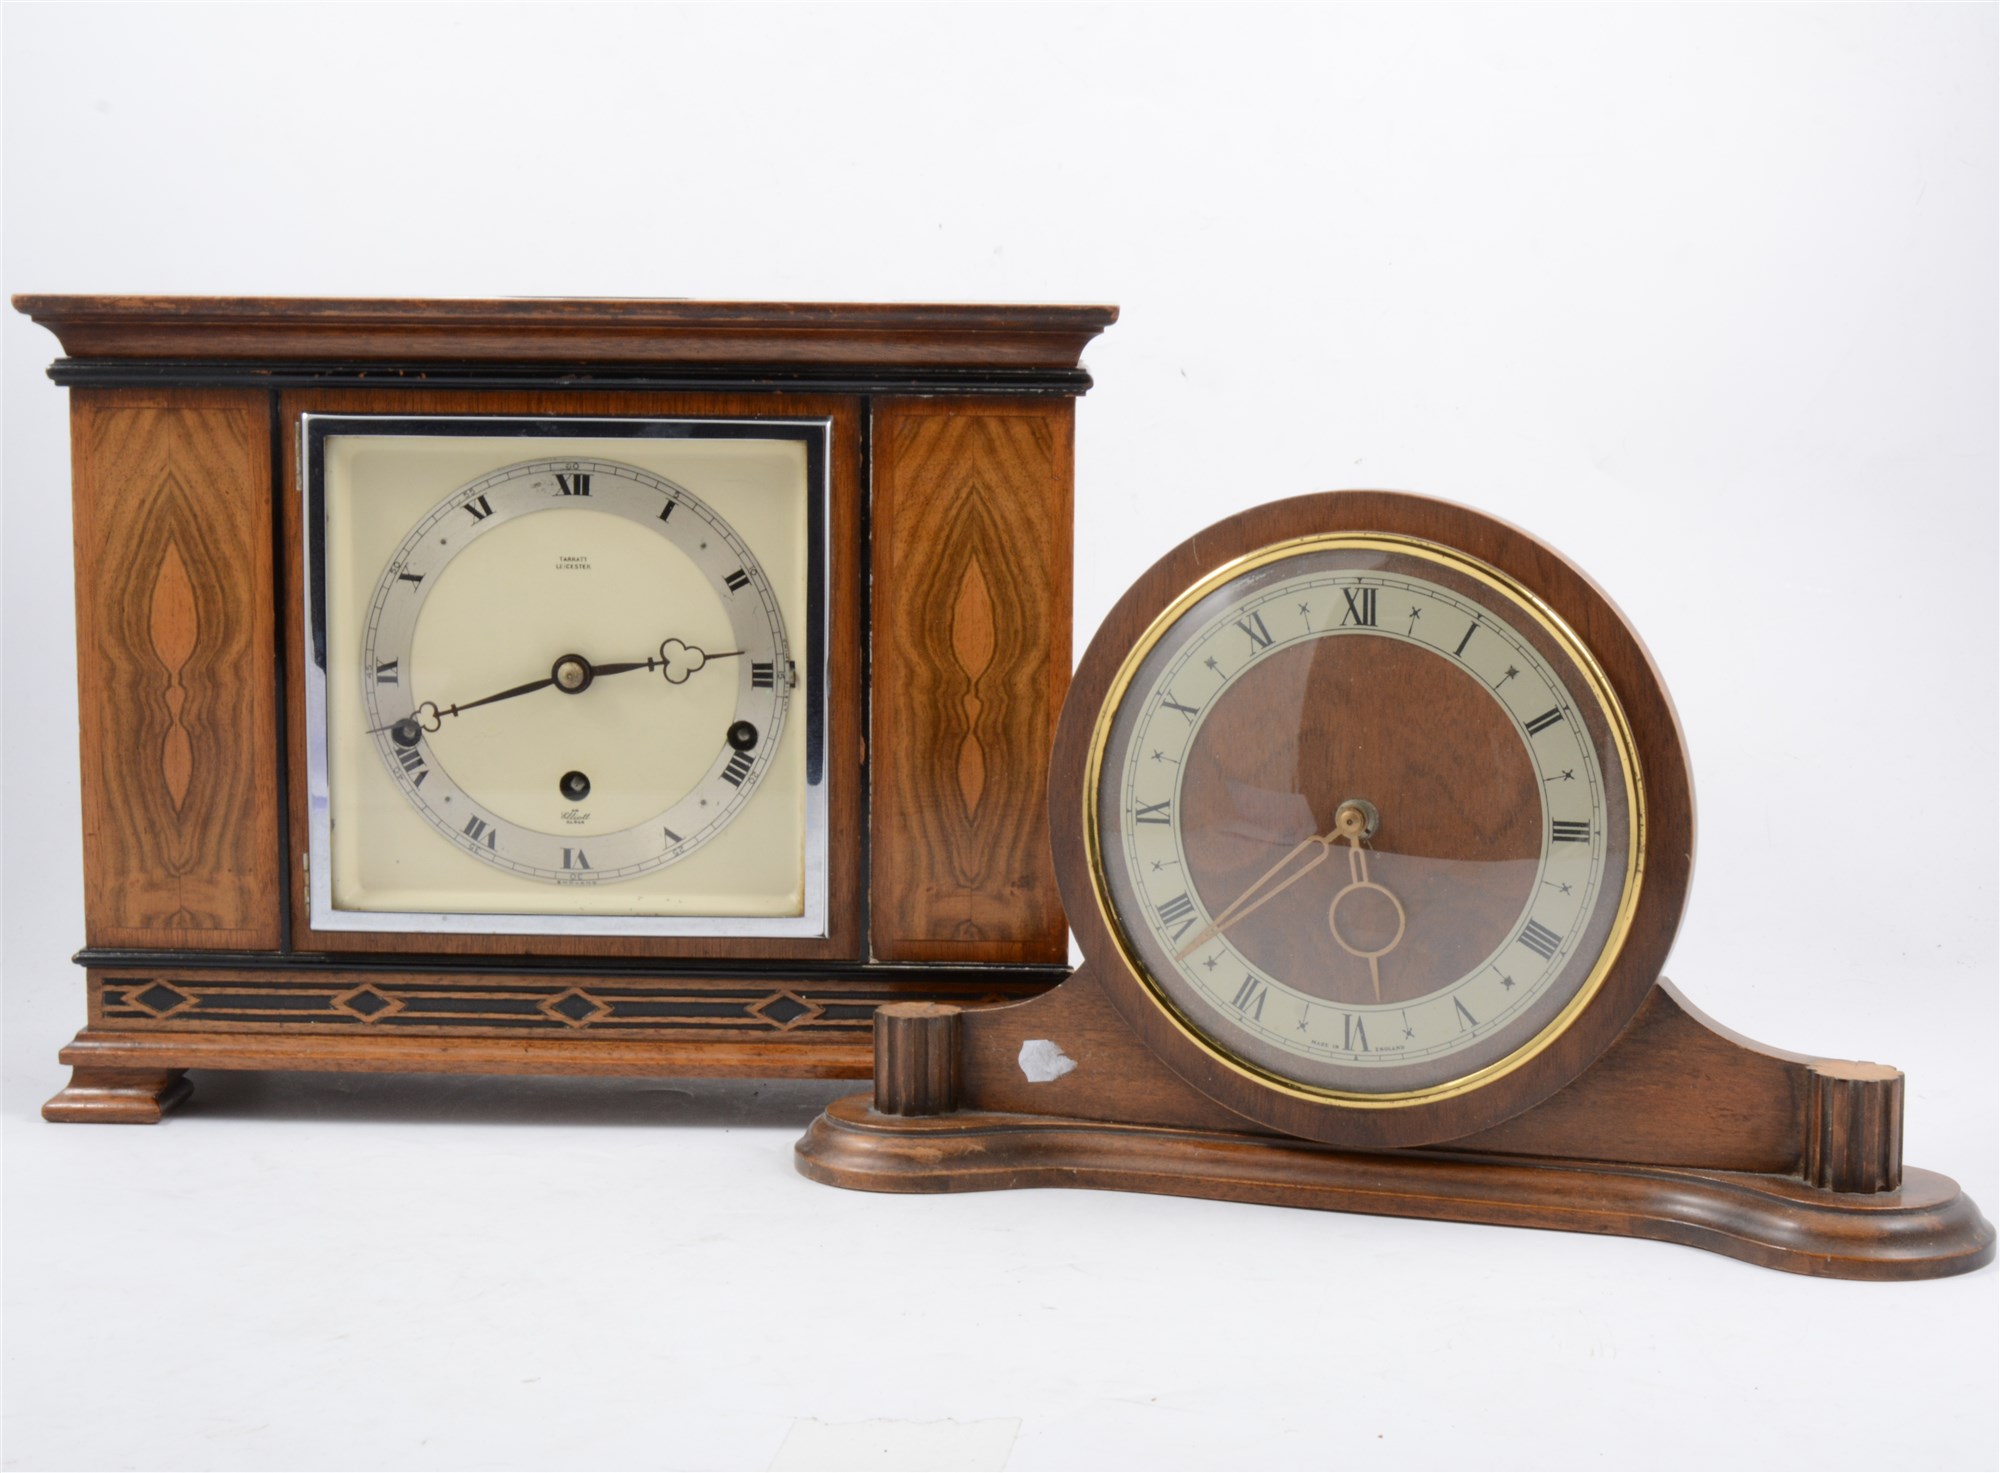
[{"x": 566, "y": 675}]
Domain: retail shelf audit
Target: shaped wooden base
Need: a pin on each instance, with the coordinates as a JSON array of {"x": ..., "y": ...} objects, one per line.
[{"x": 1680, "y": 1132}]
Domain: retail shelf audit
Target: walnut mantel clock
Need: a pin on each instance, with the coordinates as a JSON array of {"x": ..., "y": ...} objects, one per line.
[
  {"x": 639, "y": 687},
  {"x": 1373, "y": 821}
]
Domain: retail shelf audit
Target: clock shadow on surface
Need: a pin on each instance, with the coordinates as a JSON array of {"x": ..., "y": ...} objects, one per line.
[{"x": 480, "y": 1099}]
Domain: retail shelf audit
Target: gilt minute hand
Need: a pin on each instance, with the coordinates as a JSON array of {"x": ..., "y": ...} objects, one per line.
[{"x": 1257, "y": 895}]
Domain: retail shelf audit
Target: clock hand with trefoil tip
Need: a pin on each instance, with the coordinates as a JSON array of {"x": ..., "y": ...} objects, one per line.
[
  {"x": 571, "y": 674},
  {"x": 616, "y": 778}
]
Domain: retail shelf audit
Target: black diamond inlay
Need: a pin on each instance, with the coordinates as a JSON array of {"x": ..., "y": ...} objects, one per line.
[
  {"x": 160, "y": 998},
  {"x": 784, "y": 1009},
  {"x": 368, "y": 1003},
  {"x": 576, "y": 1007}
]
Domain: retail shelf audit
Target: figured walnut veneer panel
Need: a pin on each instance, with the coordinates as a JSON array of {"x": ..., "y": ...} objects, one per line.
[
  {"x": 176, "y": 660},
  {"x": 972, "y": 543}
]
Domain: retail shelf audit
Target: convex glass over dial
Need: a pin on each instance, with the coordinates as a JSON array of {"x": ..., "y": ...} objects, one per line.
[{"x": 1364, "y": 818}]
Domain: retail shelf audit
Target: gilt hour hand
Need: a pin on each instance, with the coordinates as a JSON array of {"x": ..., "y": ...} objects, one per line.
[
  {"x": 1313, "y": 850},
  {"x": 1351, "y": 824}
]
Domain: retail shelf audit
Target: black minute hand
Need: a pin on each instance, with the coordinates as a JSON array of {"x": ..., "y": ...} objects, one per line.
[
  {"x": 572, "y": 673},
  {"x": 438, "y": 713}
]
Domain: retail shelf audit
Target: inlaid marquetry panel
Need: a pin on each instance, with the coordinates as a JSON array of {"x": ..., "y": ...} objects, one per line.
[
  {"x": 972, "y": 545},
  {"x": 176, "y": 667},
  {"x": 802, "y": 1010}
]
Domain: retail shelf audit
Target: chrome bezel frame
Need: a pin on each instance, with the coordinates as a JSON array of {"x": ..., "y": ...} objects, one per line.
[{"x": 817, "y": 436}]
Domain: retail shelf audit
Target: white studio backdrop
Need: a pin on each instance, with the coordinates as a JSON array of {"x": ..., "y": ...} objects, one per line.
[{"x": 1705, "y": 296}]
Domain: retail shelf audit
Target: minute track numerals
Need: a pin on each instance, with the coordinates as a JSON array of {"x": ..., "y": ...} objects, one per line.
[
  {"x": 1219, "y": 984},
  {"x": 533, "y": 824}
]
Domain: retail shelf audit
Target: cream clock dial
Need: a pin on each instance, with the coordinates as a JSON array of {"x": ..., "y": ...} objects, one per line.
[
  {"x": 569, "y": 677},
  {"x": 566, "y": 770}
]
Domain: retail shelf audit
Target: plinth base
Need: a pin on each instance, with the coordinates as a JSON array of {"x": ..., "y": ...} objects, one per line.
[{"x": 1926, "y": 1228}]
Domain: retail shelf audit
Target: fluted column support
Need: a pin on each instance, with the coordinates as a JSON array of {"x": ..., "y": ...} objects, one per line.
[
  {"x": 1854, "y": 1126},
  {"x": 916, "y": 1058}
]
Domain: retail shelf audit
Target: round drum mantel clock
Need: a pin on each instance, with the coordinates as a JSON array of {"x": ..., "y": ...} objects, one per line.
[{"x": 1372, "y": 818}]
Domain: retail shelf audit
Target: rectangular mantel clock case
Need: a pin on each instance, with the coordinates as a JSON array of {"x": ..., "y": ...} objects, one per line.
[{"x": 607, "y": 687}]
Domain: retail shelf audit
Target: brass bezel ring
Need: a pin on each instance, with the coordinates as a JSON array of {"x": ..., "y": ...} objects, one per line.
[{"x": 1608, "y": 705}]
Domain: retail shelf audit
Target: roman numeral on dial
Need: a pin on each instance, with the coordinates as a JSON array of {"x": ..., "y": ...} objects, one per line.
[
  {"x": 573, "y": 485},
  {"x": 1254, "y": 627},
  {"x": 575, "y": 859},
  {"x": 385, "y": 674},
  {"x": 1539, "y": 939},
  {"x": 763, "y": 674},
  {"x": 1249, "y": 999},
  {"x": 736, "y": 580},
  {"x": 480, "y": 832},
  {"x": 480, "y": 508},
  {"x": 1568, "y": 831},
  {"x": 1167, "y": 700},
  {"x": 1353, "y": 1033},
  {"x": 412, "y": 763},
  {"x": 1177, "y": 914},
  {"x": 738, "y": 769},
  {"x": 1154, "y": 812},
  {"x": 1360, "y": 610},
  {"x": 1543, "y": 722}
]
